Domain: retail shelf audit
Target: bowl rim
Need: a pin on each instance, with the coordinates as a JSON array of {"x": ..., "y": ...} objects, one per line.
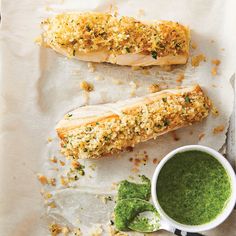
[{"x": 229, "y": 206}]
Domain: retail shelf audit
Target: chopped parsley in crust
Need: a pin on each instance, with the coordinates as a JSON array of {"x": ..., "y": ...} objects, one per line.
[
  {"x": 76, "y": 33},
  {"x": 151, "y": 116}
]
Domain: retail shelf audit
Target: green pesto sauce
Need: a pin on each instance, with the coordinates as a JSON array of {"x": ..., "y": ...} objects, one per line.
[
  {"x": 127, "y": 209},
  {"x": 133, "y": 190},
  {"x": 193, "y": 188},
  {"x": 133, "y": 211}
]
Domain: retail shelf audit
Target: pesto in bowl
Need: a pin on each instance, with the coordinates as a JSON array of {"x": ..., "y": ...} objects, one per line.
[{"x": 193, "y": 187}]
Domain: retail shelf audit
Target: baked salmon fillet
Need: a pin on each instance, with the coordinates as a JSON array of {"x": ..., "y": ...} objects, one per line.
[
  {"x": 99, "y": 130},
  {"x": 101, "y": 37}
]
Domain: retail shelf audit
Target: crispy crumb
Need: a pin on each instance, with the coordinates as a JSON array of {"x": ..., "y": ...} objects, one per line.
[
  {"x": 174, "y": 135},
  {"x": 194, "y": 45},
  {"x": 105, "y": 199},
  {"x": 200, "y": 136},
  {"x": 52, "y": 205},
  {"x": 52, "y": 181},
  {"x": 77, "y": 232},
  {"x": 49, "y": 139},
  {"x": 91, "y": 67},
  {"x": 42, "y": 179},
  {"x": 65, "y": 231},
  {"x": 155, "y": 161},
  {"x": 75, "y": 164},
  {"x": 214, "y": 71},
  {"x": 153, "y": 88},
  {"x": 180, "y": 78},
  {"x": 214, "y": 111},
  {"x": 62, "y": 163},
  {"x": 114, "y": 232},
  {"x": 116, "y": 12},
  {"x": 88, "y": 87},
  {"x": 218, "y": 129},
  {"x": 47, "y": 195},
  {"x": 55, "y": 229},
  {"x": 53, "y": 159},
  {"x": 39, "y": 40},
  {"x": 216, "y": 62},
  {"x": 93, "y": 166},
  {"x": 196, "y": 60},
  {"x": 64, "y": 181}
]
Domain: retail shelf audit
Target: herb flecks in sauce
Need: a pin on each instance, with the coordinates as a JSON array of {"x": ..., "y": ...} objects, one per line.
[{"x": 193, "y": 188}]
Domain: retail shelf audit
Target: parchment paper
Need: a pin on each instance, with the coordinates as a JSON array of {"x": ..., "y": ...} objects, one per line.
[{"x": 39, "y": 86}]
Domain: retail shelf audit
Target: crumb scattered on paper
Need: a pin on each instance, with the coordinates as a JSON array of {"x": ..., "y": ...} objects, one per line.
[
  {"x": 114, "y": 232},
  {"x": 49, "y": 139},
  {"x": 218, "y": 129},
  {"x": 180, "y": 78},
  {"x": 175, "y": 136},
  {"x": 42, "y": 179},
  {"x": 200, "y": 136},
  {"x": 196, "y": 60},
  {"x": 193, "y": 45},
  {"x": 214, "y": 111},
  {"x": 214, "y": 69},
  {"x": 155, "y": 161},
  {"x": 86, "y": 86},
  {"x": 153, "y": 88}
]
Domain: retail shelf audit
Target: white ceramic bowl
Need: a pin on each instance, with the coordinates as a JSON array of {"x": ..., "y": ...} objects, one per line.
[{"x": 222, "y": 216}]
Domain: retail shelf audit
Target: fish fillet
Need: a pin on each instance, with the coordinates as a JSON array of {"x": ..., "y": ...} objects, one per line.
[
  {"x": 99, "y": 130},
  {"x": 101, "y": 37}
]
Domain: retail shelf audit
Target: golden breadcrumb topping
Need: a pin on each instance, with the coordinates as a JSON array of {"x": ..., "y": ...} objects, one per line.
[
  {"x": 88, "y": 32},
  {"x": 135, "y": 125}
]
